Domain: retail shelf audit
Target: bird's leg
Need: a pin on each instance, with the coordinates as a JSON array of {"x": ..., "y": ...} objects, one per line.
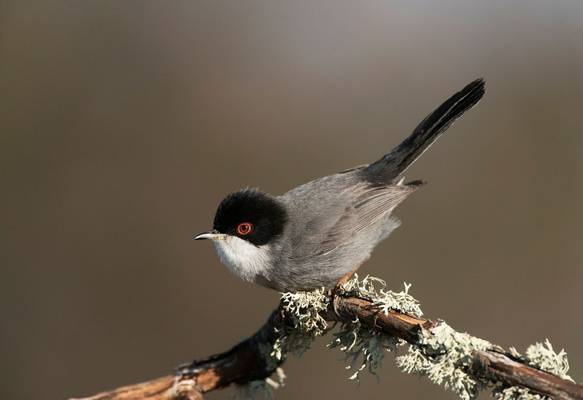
[
  {"x": 344, "y": 279},
  {"x": 338, "y": 289}
]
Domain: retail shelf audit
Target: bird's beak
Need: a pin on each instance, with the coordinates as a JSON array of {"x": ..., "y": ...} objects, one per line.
[{"x": 211, "y": 235}]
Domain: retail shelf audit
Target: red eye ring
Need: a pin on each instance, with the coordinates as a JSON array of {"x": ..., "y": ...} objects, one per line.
[{"x": 244, "y": 228}]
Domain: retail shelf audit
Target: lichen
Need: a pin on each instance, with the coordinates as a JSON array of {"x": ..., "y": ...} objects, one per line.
[
  {"x": 304, "y": 309},
  {"x": 304, "y": 322},
  {"x": 541, "y": 356},
  {"x": 290, "y": 342},
  {"x": 444, "y": 356},
  {"x": 515, "y": 393},
  {"x": 363, "y": 348},
  {"x": 374, "y": 289}
]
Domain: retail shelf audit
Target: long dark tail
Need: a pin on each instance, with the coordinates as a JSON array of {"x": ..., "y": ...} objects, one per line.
[{"x": 401, "y": 157}]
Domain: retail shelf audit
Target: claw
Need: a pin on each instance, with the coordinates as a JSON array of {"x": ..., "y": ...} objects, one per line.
[{"x": 333, "y": 294}]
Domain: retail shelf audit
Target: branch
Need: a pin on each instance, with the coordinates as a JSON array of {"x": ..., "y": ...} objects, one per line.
[
  {"x": 255, "y": 358},
  {"x": 494, "y": 365}
]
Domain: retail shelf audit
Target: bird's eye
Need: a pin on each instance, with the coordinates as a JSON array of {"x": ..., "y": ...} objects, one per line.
[{"x": 244, "y": 228}]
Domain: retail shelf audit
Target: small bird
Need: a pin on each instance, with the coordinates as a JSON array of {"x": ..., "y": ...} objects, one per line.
[{"x": 317, "y": 234}]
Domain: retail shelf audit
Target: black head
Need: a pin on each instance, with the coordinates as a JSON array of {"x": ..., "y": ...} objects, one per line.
[{"x": 251, "y": 215}]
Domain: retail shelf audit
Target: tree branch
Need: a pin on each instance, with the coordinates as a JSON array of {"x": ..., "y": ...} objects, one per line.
[{"x": 248, "y": 361}]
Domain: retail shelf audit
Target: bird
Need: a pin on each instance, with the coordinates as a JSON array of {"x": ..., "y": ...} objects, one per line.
[{"x": 318, "y": 234}]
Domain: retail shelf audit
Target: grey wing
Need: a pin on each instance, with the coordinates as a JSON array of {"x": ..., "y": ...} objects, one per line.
[{"x": 343, "y": 224}]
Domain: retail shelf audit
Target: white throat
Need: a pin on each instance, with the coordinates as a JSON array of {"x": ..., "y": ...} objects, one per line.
[{"x": 243, "y": 258}]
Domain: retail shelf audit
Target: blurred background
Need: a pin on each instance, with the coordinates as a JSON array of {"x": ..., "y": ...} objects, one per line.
[{"x": 123, "y": 124}]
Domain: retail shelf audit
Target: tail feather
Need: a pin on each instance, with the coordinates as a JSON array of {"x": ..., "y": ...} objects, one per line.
[{"x": 401, "y": 157}]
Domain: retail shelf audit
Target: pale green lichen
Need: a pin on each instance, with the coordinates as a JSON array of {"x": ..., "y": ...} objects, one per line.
[
  {"x": 543, "y": 357},
  {"x": 516, "y": 393},
  {"x": 292, "y": 342},
  {"x": 374, "y": 289},
  {"x": 365, "y": 348},
  {"x": 303, "y": 323},
  {"x": 304, "y": 310},
  {"x": 444, "y": 356}
]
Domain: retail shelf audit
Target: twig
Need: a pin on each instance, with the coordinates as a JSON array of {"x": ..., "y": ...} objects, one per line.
[{"x": 248, "y": 361}]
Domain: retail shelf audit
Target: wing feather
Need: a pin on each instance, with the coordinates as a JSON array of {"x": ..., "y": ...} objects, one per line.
[{"x": 355, "y": 210}]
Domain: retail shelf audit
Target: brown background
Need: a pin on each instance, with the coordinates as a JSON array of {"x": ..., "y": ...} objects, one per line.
[{"x": 123, "y": 123}]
